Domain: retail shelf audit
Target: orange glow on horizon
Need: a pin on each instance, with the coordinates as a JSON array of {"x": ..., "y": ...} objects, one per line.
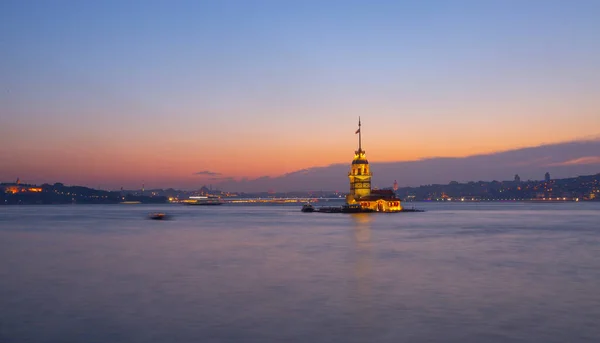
[
  {"x": 163, "y": 165},
  {"x": 175, "y": 159}
]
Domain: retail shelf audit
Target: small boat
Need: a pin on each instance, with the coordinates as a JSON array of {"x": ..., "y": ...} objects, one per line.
[
  {"x": 307, "y": 208},
  {"x": 157, "y": 216}
]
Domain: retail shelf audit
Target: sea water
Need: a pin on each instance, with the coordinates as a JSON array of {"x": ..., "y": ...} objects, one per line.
[{"x": 476, "y": 272}]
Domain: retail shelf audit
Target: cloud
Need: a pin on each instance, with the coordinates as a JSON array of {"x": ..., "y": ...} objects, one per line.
[
  {"x": 207, "y": 172},
  {"x": 560, "y": 160},
  {"x": 221, "y": 178},
  {"x": 578, "y": 161}
]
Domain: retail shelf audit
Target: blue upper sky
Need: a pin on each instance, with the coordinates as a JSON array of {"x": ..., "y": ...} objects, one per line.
[{"x": 504, "y": 73}]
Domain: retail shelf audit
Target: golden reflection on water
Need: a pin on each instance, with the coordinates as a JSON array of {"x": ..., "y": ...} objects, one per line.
[
  {"x": 363, "y": 266},
  {"x": 362, "y": 227},
  {"x": 363, "y": 245}
]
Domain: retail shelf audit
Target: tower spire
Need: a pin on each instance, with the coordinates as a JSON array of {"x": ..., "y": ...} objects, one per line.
[{"x": 359, "y": 136}]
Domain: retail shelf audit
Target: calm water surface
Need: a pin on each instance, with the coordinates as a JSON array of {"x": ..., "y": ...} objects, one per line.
[{"x": 457, "y": 273}]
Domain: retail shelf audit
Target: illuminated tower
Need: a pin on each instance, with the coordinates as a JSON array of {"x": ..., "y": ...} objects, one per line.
[{"x": 359, "y": 175}]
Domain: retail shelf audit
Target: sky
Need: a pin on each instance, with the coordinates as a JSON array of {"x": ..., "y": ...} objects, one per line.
[
  {"x": 561, "y": 160},
  {"x": 186, "y": 93}
]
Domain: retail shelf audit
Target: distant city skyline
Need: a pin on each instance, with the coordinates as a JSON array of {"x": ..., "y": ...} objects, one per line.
[{"x": 190, "y": 93}]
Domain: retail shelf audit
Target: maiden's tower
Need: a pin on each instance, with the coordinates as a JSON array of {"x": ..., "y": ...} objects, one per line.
[{"x": 361, "y": 193}]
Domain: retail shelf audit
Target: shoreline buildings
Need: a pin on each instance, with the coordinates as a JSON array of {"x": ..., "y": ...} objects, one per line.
[{"x": 360, "y": 185}]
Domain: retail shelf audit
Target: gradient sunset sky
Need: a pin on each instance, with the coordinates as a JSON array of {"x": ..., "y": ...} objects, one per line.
[{"x": 182, "y": 93}]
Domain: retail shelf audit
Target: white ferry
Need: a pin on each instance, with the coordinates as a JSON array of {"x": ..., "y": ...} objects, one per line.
[{"x": 204, "y": 200}]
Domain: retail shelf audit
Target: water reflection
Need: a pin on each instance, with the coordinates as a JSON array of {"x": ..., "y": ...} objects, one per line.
[
  {"x": 269, "y": 274},
  {"x": 362, "y": 227},
  {"x": 363, "y": 270}
]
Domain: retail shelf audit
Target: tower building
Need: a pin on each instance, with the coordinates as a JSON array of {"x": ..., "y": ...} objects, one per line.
[
  {"x": 360, "y": 184},
  {"x": 359, "y": 175}
]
